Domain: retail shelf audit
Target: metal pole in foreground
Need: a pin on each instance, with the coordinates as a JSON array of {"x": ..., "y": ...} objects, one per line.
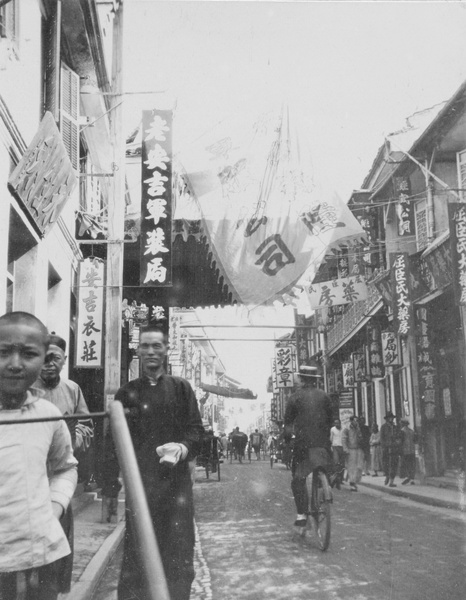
[{"x": 139, "y": 510}]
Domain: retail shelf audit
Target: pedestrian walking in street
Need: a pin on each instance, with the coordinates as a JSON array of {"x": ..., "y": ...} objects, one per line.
[
  {"x": 337, "y": 453},
  {"x": 309, "y": 414},
  {"x": 352, "y": 440},
  {"x": 38, "y": 473},
  {"x": 376, "y": 452},
  {"x": 408, "y": 455},
  {"x": 67, "y": 396},
  {"x": 239, "y": 441},
  {"x": 166, "y": 430},
  {"x": 255, "y": 439},
  {"x": 365, "y": 444},
  {"x": 390, "y": 441}
]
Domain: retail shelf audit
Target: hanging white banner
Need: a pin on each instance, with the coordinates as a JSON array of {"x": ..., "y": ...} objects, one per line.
[
  {"x": 337, "y": 291},
  {"x": 90, "y": 313},
  {"x": 266, "y": 222}
]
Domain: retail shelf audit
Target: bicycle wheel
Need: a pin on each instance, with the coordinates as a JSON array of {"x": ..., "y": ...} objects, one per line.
[{"x": 321, "y": 497}]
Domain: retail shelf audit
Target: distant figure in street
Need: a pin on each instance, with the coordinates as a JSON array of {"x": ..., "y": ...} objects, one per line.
[
  {"x": 352, "y": 440},
  {"x": 255, "y": 439},
  {"x": 376, "y": 453},
  {"x": 166, "y": 430},
  {"x": 67, "y": 396},
  {"x": 408, "y": 455},
  {"x": 390, "y": 442},
  {"x": 309, "y": 414},
  {"x": 337, "y": 452},
  {"x": 365, "y": 444},
  {"x": 224, "y": 443},
  {"x": 37, "y": 468},
  {"x": 239, "y": 441}
]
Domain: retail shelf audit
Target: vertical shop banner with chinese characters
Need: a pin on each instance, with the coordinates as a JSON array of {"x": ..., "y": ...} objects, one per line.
[
  {"x": 457, "y": 218},
  {"x": 404, "y": 207},
  {"x": 390, "y": 350},
  {"x": 359, "y": 366},
  {"x": 348, "y": 374},
  {"x": 374, "y": 344},
  {"x": 426, "y": 369},
  {"x": 156, "y": 199},
  {"x": 174, "y": 332},
  {"x": 274, "y": 376},
  {"x": 284, "y": 366},
  {"x": 91, "y": 277},
  {"x": 402, "y": 306},
  {"x": 302, "y": 340}
]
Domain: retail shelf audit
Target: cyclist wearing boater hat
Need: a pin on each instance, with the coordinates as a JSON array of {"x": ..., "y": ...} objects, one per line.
[{"x": 309, "y": 415}]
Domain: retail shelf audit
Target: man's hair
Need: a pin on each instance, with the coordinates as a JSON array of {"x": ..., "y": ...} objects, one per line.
[
  {"x": 153, "y": 329},
  {"x": 24, "y": 318},
  {"x": 56, "y": 340}
]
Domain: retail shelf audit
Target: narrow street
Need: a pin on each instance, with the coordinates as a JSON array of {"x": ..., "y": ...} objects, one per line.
[{"x": 382, "y": 547}]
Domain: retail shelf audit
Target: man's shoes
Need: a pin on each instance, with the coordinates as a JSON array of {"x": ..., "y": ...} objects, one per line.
[
  {"x": 353, "y": 487},
  {"x": 412, "y": 482},
  {"x": 386, "y": 481},
  {"x": 300, "y": 521},
  {"x": 405, "y": 481},
  {"x": 375, "y": 475},
  {"x": 392, "y": 485}
]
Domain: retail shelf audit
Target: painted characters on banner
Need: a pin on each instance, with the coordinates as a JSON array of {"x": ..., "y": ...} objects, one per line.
[
  {"x": 284, "y": 362},
  {"x": 427, "y": 373},
  {"x": 348, "y": 374},
  {"x": 156, "y": 190},
  {"x": 90, "y": 313},
  {"x": 302, "y": 340},
  {"x": 402, "y": 307},
  {"x": 337, "y": 291},
  {"x": 359, "y": 366},
  {"x": 374, "y": 342},
  {"x": 390, "y": 350},
  {"x": 457, "y": 216},
  {"x": 404, "y": 207}
]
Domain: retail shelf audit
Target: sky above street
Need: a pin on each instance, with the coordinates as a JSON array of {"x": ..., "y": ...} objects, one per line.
[{"x": 351, "y": 72}]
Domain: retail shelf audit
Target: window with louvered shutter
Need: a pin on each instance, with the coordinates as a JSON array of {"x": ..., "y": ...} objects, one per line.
[
  {"x": 69, "y": 113},
  {"x": 461, "y": 162}
]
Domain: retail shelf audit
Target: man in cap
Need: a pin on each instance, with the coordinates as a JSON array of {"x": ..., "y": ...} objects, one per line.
[
  {"x": 390, "y": 443},
  {"x": 309, "y": 413},
  {"x": 408, "y": 454}
]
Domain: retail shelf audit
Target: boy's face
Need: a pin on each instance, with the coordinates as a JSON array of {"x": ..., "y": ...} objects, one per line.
[
  {"x": 22, "y": 354},
  {"x": 54, "y": 361}
]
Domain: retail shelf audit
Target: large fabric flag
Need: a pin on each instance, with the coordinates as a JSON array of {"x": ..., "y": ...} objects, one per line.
[{"x": 267, "y": 223}]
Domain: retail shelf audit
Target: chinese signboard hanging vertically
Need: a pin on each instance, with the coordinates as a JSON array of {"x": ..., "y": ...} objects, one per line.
[
  {"x": 390, "y": 351},
  {"x": 457, "y": 216},
  {"x": 374, "y": 342},
  {"x": 427, "y": 374},
  {"x": 302, "y": 340},
  {"x": 402, "y": 307},
  {"x": 156, "y": 190},
  {"x": 284, "y": 362},
  {"x": 404, "y": 207},
  {"x": 90, "y": 313}
]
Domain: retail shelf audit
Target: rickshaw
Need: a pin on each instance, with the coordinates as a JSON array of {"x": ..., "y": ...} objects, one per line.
[{"x": 209, "y": 456}]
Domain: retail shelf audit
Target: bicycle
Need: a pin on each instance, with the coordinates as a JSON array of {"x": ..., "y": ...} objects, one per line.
[{"x": 320, "y": 497}]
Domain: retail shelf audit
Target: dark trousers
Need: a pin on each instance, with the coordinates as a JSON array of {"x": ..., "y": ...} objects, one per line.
[
  {"x": 298, "y": 487},
  {"x": 408, "y": 466},
  {"x": 40, "y": 583},
  {"x": 174, "y": 529},
  {"x": 390, "y": 460}
]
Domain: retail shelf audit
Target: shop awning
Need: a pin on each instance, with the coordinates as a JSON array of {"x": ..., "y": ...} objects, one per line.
[{"x": 240, "y": 393}]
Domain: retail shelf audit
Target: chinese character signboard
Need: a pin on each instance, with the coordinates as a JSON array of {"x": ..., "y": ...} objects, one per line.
[
  {"x": 402, "y": 307},
  {"x": 90, "y": 313},
  {"x": 390, "y": 351},
  {"x": 156, "y": 190},
  {"x": 374, "y": 342},
  {"x": 348, "y": 374},
  {"x": 427, "y": 374},
  {"x": 284, "y": 366},
  {"x": 337, "y": 291},
  {"x": 274, "y": 377},
  {"x": 302, "y": 341},
  {"x": 174, "y": 331},
  {"x": 359, "y": 366},
  {"x": 457, "y": 216},
  {"x": 44, "y": 178},
  {"x": 404, "y": 207}
]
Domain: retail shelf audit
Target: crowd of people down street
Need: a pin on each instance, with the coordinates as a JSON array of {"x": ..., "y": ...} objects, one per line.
[{"x": 40, "y": 449}]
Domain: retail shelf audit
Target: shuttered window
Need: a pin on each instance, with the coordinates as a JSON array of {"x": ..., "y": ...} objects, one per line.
[
  {"x": 422, "y": 236},
  {"x": 461, "y": 161},
  {"x": 69, "y": 113}
]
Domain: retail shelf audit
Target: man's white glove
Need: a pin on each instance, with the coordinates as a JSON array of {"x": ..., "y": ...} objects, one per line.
[{"x": 172, "y": 453}]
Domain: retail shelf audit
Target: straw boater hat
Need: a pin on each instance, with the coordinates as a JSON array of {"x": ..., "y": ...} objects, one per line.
[{"x": 307, "y": 371}]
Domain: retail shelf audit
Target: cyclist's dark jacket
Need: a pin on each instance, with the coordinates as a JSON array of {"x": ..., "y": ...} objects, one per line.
[{"x": 310, "y": 410}]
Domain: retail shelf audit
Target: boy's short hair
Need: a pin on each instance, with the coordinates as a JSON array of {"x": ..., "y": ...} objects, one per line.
[
  {"x": 56, "y": 340},
  {"x": 153, "y": 329},
  {"x": 19, "y": 317}
]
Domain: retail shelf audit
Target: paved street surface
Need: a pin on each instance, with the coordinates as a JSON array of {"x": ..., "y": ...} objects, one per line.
[{"x": 382, "y": 547}]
